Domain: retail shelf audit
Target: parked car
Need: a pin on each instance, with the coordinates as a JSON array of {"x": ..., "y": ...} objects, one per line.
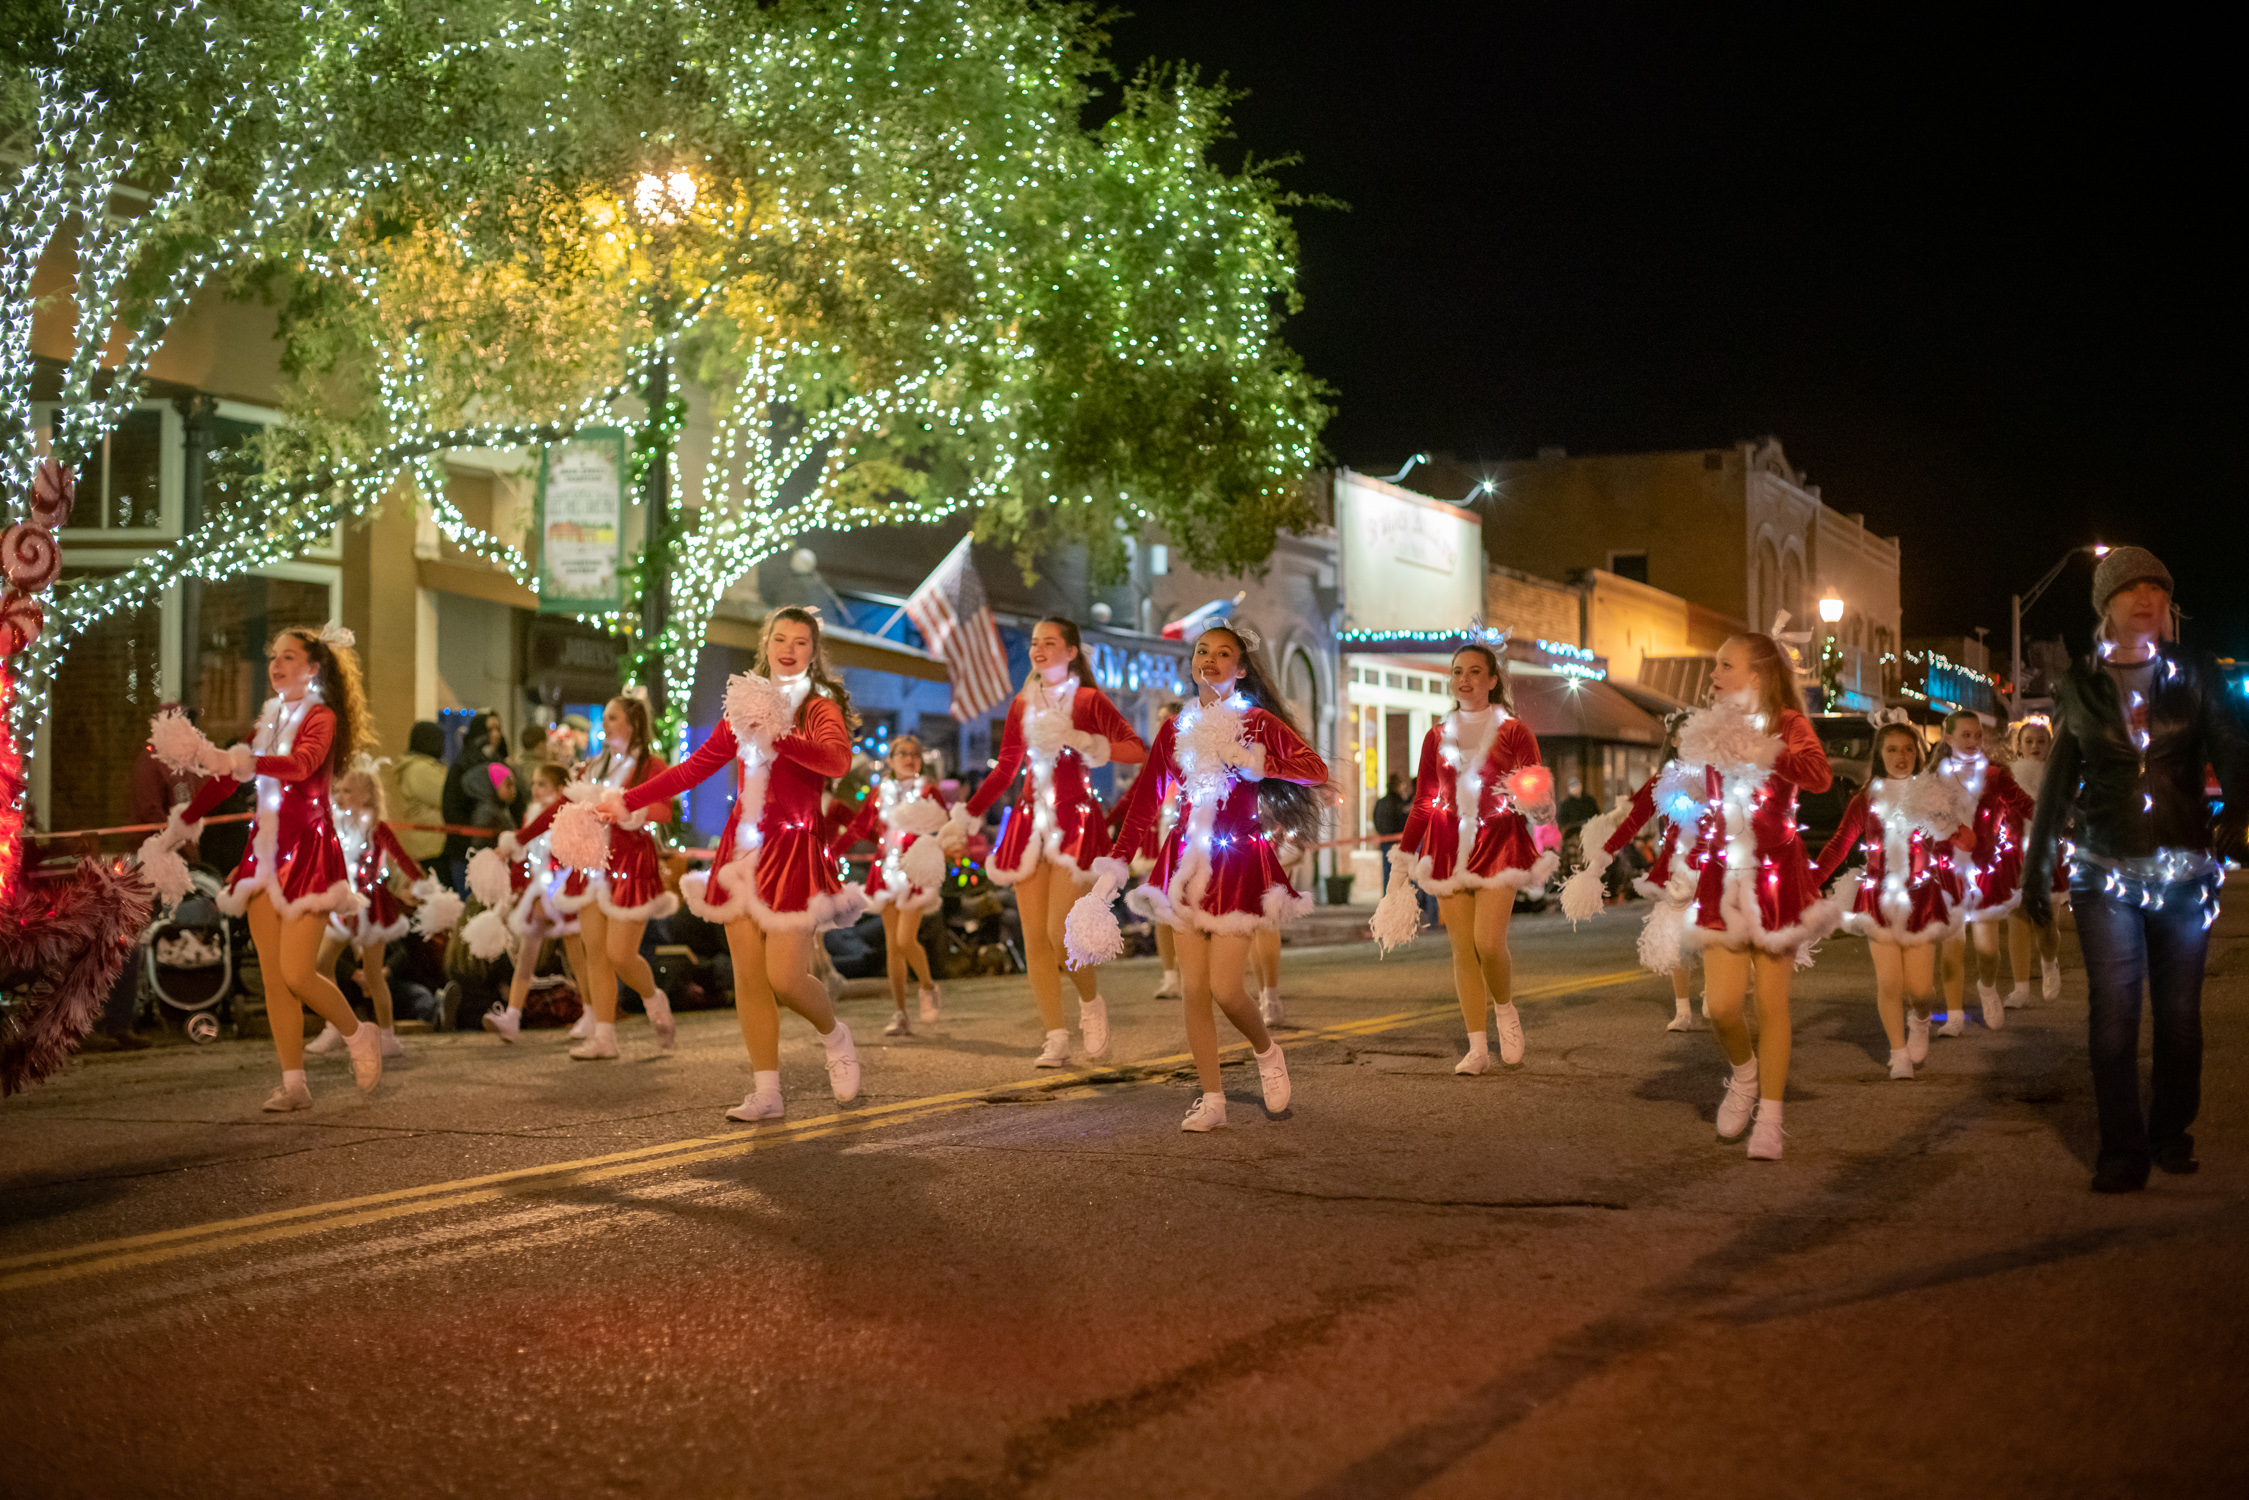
[{"x": 1848, "y": 740}]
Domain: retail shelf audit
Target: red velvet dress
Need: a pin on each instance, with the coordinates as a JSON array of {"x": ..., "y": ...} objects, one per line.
[
  {"x": 630, "y": 885},
  {"x": 1754, "y": 884},
  {"x": 1217, "y": 871},
  {"x": 1056, "y": 815},
  {"x": 2003, "y": 810},
  {"x": 367, "y": 845},
  {"x": 2030, "y": 775},
  {"x": 771, "y": 865},
  {"x": 294, "y": 855},
  {"x": 896, "y": 816},
  {"x": 542, "y": 884},
  {"x": 1909, "y": 892},
  {"x": 1460, "y": 799},
  {"x": 1670, "y": 878}
]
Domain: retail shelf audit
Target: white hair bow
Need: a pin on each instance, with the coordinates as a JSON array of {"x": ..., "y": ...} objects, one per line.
[{"x": 336, "y": 637}]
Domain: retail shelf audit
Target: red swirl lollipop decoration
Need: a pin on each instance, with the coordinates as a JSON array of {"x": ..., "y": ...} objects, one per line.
[
  {"x": 29, "y": 556},
  {"x": 53, "y": 490},
  {"x": 21, "y": 620}
]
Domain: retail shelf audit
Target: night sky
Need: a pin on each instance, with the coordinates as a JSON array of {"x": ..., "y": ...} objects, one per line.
[{"x": 1973, "y": 277}]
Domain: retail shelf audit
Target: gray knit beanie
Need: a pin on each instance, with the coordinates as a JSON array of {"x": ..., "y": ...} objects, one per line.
[{"x": 2120, "y": 568}]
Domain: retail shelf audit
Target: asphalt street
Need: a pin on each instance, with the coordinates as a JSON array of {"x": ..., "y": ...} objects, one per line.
[{"x": 510, "y": 1274}]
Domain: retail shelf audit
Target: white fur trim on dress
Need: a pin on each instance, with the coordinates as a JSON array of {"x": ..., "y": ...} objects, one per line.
[
  {"x": 825, "y": 911},
  {"x": 1737, "y": 906},
  {"x": 355, "y": 929},
  {"x": 1933, "y": 806},
  {"x": 1281, "y": 907},
  {"x": 663, "y": 905},
  {"x": 234, "y": 900},
  {"x": 1464, "y": 879}
]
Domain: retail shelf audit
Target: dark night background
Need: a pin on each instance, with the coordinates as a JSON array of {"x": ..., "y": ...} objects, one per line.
[{"x": 1971, "y": 273}]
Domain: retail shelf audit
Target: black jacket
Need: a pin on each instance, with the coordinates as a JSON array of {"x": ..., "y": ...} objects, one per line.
[{"x": 2130, "y": 802}]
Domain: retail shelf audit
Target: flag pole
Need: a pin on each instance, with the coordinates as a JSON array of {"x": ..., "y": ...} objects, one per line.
[{"x": 900, "y": 613}]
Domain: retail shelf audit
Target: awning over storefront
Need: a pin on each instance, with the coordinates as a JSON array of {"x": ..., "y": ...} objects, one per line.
[{"x": 1572, "y": 708}]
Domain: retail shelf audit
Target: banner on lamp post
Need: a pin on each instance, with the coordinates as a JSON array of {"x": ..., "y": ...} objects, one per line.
[{"x": 581, "y": 523}]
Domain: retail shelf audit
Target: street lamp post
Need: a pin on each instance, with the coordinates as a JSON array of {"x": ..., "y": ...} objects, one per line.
[
  {"x": 1831, "y": 656},
  {"x": 2020, "y": 602}
]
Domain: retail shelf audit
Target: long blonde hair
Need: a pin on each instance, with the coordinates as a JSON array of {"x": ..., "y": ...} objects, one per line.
[{"x": 1776, "y": 676}]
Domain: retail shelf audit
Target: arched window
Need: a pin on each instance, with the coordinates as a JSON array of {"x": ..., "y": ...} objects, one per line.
[
  {"x": 1302, "y": 690},
  {"x": 1791, "y": 591},
  {"x": 1765, "y": 599}
]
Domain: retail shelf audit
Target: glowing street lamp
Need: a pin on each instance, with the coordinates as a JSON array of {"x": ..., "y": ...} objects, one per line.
[
  {"x": 1831, "y": 610},
  {"x": 1831, "y": 654}
]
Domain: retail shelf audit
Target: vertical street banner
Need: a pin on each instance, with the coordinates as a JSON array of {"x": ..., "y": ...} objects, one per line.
[{"x": 581, "y": 523}]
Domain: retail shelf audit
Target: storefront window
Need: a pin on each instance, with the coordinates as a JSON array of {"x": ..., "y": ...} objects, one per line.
[
  {"x": 239, "y": 617},
  {"x": 104, "y": 696}
]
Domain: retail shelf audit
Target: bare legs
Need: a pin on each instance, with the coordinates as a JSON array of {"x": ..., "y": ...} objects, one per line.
[
  {"x": 1726, "y": 978},
  {"x": 1211, "y": 966},
  {"x": 289, "y": 959},
  {"x": 901, "y": 939},
  {"x": 1476, "y": 924},
  {"x": 1985, "y": 937},
  {"x": 1043, "y": 899},
  {"x": 770, "y": 967}
]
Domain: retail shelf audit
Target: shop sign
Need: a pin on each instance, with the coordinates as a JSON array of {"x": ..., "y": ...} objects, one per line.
[{"x": 580, "y": 518}]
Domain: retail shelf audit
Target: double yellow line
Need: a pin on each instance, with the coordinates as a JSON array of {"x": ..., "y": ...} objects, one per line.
[{"x": 43, "y": 1268}]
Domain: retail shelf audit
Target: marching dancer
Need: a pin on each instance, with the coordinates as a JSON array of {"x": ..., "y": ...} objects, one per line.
[
  {"x": 1063, "y": 727},
  {"x": 1469, "y": 842},
  {"x": 1909, "y": 897},
  {"x": 293, "y": 876},
  {"x": 2033, "y": 743},
  {"x": 1994, "y": 869},
  {"x": 786, "y": 731},
  {"x": 1675, "y": 794},
  {"x": 540, "y": 885},
  {"x": 905, "y": 813},
  {"x": 624, "y": 882},
  {"x": 1242, "y": 767},
  {"x": 372, "y": 852},
  {"x": 1755, "y": 911}
]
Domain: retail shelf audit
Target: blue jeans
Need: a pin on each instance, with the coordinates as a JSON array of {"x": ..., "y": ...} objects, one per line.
[{"x": 2156, "y": 936}]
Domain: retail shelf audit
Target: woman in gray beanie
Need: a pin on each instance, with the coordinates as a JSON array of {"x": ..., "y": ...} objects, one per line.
[{"x": 2137, "y": 723}]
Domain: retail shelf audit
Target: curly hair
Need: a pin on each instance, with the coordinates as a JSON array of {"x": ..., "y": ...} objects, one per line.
[
  {"x": 1285, "y": 808},
  {"x": 340, "y": 688},
  {"x": 823, "y": 681}
]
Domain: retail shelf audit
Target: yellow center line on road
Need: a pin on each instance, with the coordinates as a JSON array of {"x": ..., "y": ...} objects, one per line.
[{"x": 44, "y": 1267}]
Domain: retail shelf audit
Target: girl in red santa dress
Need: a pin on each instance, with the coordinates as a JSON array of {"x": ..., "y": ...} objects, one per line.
[
  {"x": 539, "y": 885},
  {"x": 1994, "y": 870},
  {"x": 1756, "y": 912},
  {"x": 1241, "y": 767},
  {"x": 1908, "y": 897},
  {"x": 2033, "y": 740},
  {"x": 1061, "y": 728},
  {"x": 904, "y": 817},
  {"x": 786, "y": 731},
  {"x": 1468, "y": 841},
  {"x": 293, "y": 876},
  {"x": 373, "y": 854},
  {"x": 1676, "y": 794},
  {"x": 623, "y": 887}
]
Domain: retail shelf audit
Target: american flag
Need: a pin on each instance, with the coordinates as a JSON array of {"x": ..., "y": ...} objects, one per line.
[{"x": 949, "y": 611}]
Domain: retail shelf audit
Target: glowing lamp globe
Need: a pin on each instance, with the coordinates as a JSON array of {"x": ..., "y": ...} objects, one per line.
[{"x": 1831, "y": 610}]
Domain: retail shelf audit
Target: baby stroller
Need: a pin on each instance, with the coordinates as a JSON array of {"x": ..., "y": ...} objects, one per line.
[{"x": 190, "y": 968}]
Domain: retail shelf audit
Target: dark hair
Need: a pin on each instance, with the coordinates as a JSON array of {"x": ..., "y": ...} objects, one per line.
[
  {"x": 551, "y": 770},
  {"x": 340, "y": 690},
  {"x": 1920, "y": 751},
  {"x": 822, "y": 681},
  {"x": 1776, "y": 676},
  {"x": 636, "y": 721},
  {"x": 426, "y": 738},
  {"x": 1282, "y": 806},
  {"x": 1080, "y": 663},
  {"x": 1501, "y": 693}
]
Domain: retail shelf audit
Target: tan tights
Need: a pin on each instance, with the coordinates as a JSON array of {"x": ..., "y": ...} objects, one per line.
[
  {"x": 1043, "y": 899},
  {"x": 1167, "y": 947},
  {"x": 770, "y": 965},
  {"x": 901, "y": 942},
  {"x": 1903, "y": 972},
  {"x": 1265, "y": 957},
  {"x": 613, "y": 953},
  {"x": 2021, "y": 935},
  {"x": 1985, "y": 935},
  {"x": 1211, "y": 965},
  {"x": 372, "y": 979},
  {"x": 1726, "y": 977},
  {"x": 527, "y": 962},
  {"x": 289, "y": 960},
  {"x": 1476, "y": 923}
]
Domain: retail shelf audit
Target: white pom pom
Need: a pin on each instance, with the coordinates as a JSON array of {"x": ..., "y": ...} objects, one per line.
[
  {"x": 923, "y": 864},
  {"x": 486, "y": 935},
  {"x": 440, "y": 909},
  {"x": 581, "y": 840},
  {"x": 488, "y": 878},
  {"x": 1090, "y": 931},
  {"x": 917, "y": 816},
  {"x": 176, "y": 742},
  {"x": 755, "y": 709},
  {"x": 1397, "y": 916},
  {"x": 1660, "y": 936},
  {"x": 166, "y": 871},
  {"x": 1724, "y": 735},
  {"x": 1582, "y": 893}
]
